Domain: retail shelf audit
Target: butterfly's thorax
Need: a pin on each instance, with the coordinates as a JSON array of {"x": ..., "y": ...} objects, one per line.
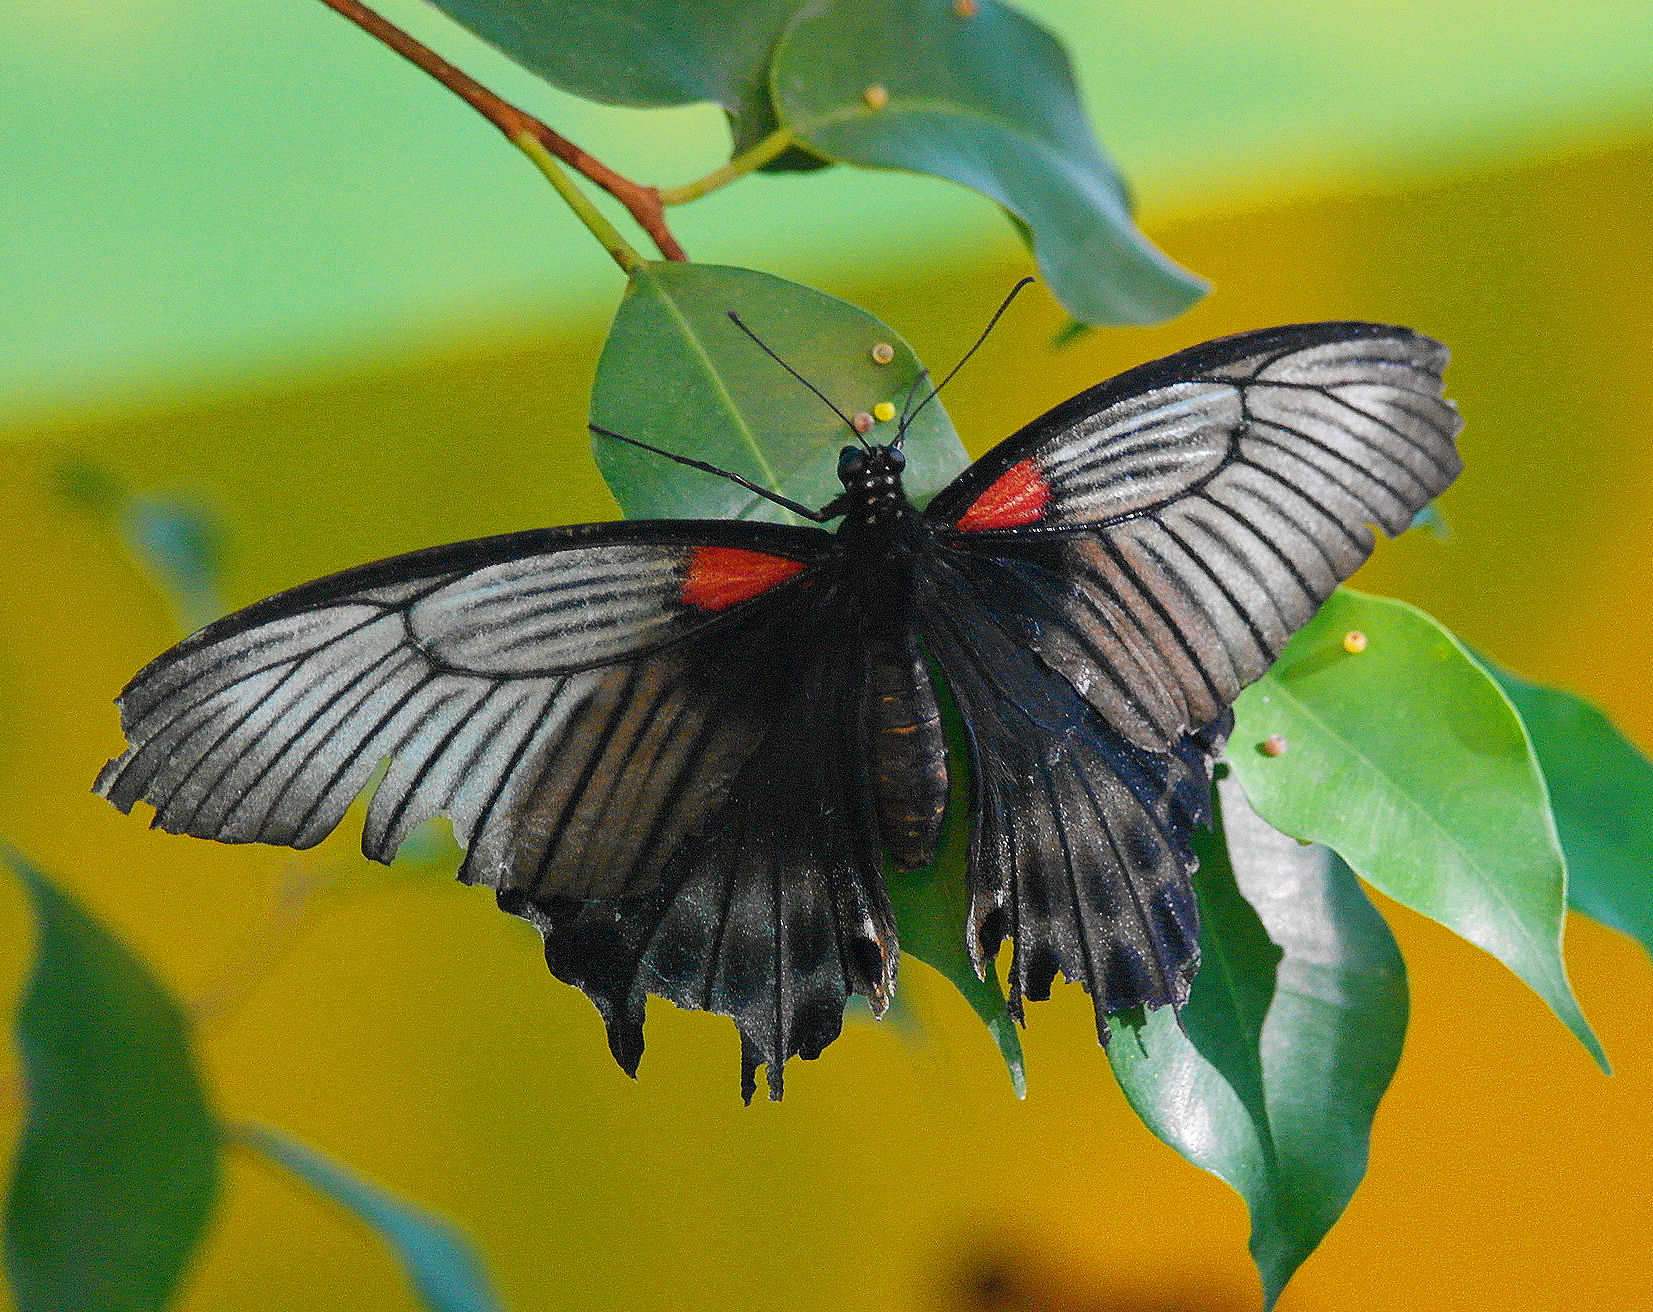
[{"x": 881, "y": 535}]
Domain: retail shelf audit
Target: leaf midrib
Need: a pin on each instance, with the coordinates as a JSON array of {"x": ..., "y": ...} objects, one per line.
[{"x": 766, "y": 472}]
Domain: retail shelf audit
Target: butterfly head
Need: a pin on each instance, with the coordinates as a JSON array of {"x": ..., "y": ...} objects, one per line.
[{"x": 872, "y": 481}]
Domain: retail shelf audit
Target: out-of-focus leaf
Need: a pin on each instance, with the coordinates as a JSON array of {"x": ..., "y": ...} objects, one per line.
[
  {"x": 1431, "y": 521},
  {"x": 118, "y": 1168},
  {"x": 89, "y": 487},
  {"x": 1291, "y": 1035},
  {"x": 677, "y": 373},
  {"x": 1409, "y": 762},
  {"x": 930, "y": 906},
  {"x": 182, "y": 545},
  {"x": 1072, "y": 331},
  {"x": 986, "y": 100},
  {"x": 1601, "y": 789},
  {"x": 177, "y": 540},
  {"x": 439, "y": 1261}
]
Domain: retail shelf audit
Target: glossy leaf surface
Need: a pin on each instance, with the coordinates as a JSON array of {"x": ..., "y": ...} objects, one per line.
[
  {"x": 1409, "y": 762},
  {"x": 677, "y": 373},
  {"x": 986, "y": 100},
  {"x": 1601, "y": 788},
  {"x": 1289, "y": 1039},
  {"x": 637, "y": 52}
]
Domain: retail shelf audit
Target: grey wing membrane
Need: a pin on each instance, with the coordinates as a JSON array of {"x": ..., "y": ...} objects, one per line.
[
  {"x": 1184, "y": 519},
  {"x": 551, "y": 692}
]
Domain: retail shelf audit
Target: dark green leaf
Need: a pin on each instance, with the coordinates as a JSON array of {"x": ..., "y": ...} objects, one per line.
[
  {"x": 1290, "y": 1036},
  {"x": 438, "y": 1259},
  {"x": 1410, "y": 763},
  {"x": 930, "y": 905},
  {"x": 1601, "y": 789},
  {"x": 641, "y": 52},
  {"x": 118, "y": 1168},
  {"x": 987, "y": 101},
  {"x": 677, "y": 373}
]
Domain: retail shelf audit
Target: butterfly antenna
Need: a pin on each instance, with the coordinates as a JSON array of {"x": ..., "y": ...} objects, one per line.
[
  {"x": 764, "y": 347},
  {"x": 817, "y": 516},
  {"x": 935, "y": 391},
  {"x": 919, "y": 379}
]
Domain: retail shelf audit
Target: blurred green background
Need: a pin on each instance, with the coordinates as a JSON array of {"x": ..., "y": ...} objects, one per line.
[{"x": 248, "y": 257}]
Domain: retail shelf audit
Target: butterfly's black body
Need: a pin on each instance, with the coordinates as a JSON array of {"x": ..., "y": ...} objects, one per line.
[
  {"x": 882, "y": 537},
  {"x": 685, "y": 749}
]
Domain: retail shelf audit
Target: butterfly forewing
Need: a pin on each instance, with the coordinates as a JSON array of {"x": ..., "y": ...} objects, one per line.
[
  {"x": 519, "y": 685},
  {"x": 1191, "y": 514}
]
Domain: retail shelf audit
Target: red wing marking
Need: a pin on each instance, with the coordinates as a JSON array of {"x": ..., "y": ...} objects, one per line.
[
  {"x": 720, "y": 577},
  {"x": 1016, "y": 497}
]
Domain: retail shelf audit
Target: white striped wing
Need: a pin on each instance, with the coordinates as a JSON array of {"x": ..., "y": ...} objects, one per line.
[
  {"x": 1187, "y": 517},
  {"x": 559, "y": 695}
]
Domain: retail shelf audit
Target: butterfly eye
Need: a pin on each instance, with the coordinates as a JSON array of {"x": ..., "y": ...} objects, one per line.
[
  {"x": 897, "y": 459},
  {"x": 851, "y": 462}
]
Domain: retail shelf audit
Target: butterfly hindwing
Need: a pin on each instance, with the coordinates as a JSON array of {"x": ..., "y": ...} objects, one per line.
[
  {"x": 774, "y": 911},
  {"x": 1080, "y": 845}
]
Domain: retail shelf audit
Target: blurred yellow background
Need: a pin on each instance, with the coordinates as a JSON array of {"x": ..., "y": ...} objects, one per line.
[{"x": 411, "y": 1031}]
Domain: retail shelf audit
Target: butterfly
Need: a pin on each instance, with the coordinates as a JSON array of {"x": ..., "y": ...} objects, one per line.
[{"x": 685, "y": 749}]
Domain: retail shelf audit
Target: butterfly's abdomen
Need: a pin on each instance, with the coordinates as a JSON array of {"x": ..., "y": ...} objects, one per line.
[{"x": 909, "y": 752}]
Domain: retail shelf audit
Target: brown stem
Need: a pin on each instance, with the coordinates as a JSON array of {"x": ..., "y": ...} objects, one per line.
[{"x": 643, "y": 203}]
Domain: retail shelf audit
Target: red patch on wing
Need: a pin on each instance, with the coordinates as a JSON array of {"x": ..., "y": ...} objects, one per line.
[
  {"x": 720, "y": 577},
  {"x": 1016, "y": 497}
]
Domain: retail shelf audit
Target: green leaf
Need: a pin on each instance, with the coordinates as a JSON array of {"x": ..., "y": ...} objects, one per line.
[
  {"x": 438, "y": 1259},
  {"x": 1601, "y": 789},
  {"x": 987, "y": 101},
  {"x": 640, "y": 52},
  {"x": 1410, "y": 763},
  {"x": 118, "y": 1169},
  {"x": 930, "y": 904},
  {"x": 677, "y": 373},
  {"x": 1292, "y": 1031}
]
